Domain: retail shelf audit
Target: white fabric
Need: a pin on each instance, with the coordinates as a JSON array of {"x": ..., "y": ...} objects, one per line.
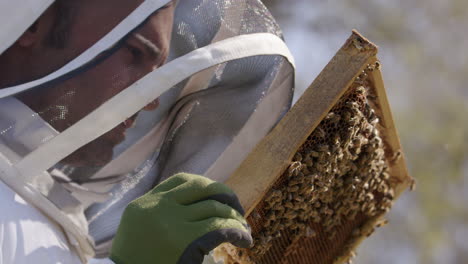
[
  {"x": 25, "y": 130},
  {"x": 143, "y": 92},
  {"x": 22, "y": 129},
  {"x": 129, "y": 23},
  {"x": 27, "y": 236},
  {"x": 16, "y": 16}
]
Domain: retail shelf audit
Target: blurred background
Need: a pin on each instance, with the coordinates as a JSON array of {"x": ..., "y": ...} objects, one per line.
[{"x": 425, "y": 67}]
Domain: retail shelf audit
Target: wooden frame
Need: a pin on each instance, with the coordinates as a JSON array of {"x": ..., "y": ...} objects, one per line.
[{"x": 279, "y": 146}]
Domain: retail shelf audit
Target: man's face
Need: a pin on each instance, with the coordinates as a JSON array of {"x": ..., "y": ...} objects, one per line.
[{"x": 65, "y": 104}]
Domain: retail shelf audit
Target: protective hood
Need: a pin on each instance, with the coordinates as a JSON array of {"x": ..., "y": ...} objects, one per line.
[{"x": 151, "y": 90}]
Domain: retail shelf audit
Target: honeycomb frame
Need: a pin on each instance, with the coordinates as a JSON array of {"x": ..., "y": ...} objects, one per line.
[{"x": 355, "y": 65}]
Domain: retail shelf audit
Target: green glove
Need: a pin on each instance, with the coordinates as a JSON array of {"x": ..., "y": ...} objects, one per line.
[{"x": 180, "y": 221}]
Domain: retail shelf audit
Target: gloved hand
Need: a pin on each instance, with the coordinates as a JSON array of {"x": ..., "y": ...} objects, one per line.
[{"x": 180, "y": 221}]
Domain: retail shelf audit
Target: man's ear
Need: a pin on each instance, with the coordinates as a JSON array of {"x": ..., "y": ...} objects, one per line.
[
  {"x": 29, "y": 37},
  {"x": 37, "y": 31},
  {"x": 152, "y": 106}
]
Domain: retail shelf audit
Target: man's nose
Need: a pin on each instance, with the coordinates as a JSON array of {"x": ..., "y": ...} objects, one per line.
[{"x": 150, "y": 63}]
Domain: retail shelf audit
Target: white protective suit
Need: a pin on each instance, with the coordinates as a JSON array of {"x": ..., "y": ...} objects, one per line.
[
  {"x": 26, "y": 234},
  {"x": 227, "y": 81}
]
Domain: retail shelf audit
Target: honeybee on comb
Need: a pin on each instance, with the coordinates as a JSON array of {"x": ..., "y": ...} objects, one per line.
[{"x": 331, "y": 176}]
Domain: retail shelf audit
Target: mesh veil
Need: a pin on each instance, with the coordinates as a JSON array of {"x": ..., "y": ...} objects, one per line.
[{"x": 213, "y": 116}]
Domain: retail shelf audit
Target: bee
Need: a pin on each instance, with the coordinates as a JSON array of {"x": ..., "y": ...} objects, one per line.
[
  {"x": 372, "y": 98},
  {"x": 294, "y": 168},
  {"x": 277, "y": 226},
  {"x": 376, "y": 142},
  {"x": 373, "y": 119},
  {"x": 385, "y": 176},
  {"x": 368, "y": 129},
  {"x": 314, "y": 154},
  {"x": 323, "y": 149},
  {"x": 293, "y": 189},
  {"x": 382, "y": 188},
  {"x": 317, "y": 204},
  {"x": 299, "y": 198},
  {"x": 265, "y": 239},
  {"x": 371, "y": 210},
  {"x": 275, "y": 194},
  {"x": 354, "y": 121},
  {"x": 363, "y": 75},
  {"x": 256, "y": 215},
  {"x": 352, "y": 106},
  {"x": 335, "y": 119},
  {"x": 310, "y": 232},
  {"x": 289, "y": 204},
  {"x": 370, "y": 68},
  {"x": 290, "y": 214},
  {"x": 356, "y": 180},
  {"x": 330, "y": 116},
  {"x": 328, "y": 224},
  {"x": 361, "y": 90},
  {"x": 279, "y": 209},
  {"x": 358, "y": 80},
  {"x": 369, "y": 197},
  {"x": 357, "y": 142},
  {"x": 396, "y": 156},
  {"x": 347, "y": 115},
  {"x": 381, "y": 223},
  {"x": 370, "y": 232},
  {"x": 320, "y": 132},
  {"x": 308, "y": 161},
  {"x": 298, "y": 180},
  {"x": 277, "y": 234},
  {"x": 413, "y": 185},
  {"x": 271, "y": 215},
  {"x": 378, "y": 65},
  {"x": 361, "y": 196},
  {"x": 297, "y": 157},
  {"x": 352, "y": 215},
  {"x": 305, "y": 169},
  {"x": 304, "y": 207},
  {"x": 356, "y": 232},
  {"x": 390, "y": 194}
]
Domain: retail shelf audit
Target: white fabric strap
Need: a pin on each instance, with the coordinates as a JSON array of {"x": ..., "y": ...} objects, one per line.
[
  {"x": 138, "y": 16},
  {"x": 16, "y": 182},
  {"x": 16, "y": 16},
  {"x": 141, "y": 93}
]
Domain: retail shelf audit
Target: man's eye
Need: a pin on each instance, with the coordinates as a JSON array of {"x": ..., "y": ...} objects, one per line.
[{"x": 136, "y": 52}]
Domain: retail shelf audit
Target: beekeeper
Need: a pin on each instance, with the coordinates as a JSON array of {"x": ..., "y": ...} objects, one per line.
[{"x": 110, "y": 112}]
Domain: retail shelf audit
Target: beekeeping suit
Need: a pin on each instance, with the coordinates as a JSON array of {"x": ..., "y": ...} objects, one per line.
[{"x": 79, "y": 143}]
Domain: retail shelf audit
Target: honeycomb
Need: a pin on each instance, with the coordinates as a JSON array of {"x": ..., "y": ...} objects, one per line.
[{"x": 337, "y": 182}]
